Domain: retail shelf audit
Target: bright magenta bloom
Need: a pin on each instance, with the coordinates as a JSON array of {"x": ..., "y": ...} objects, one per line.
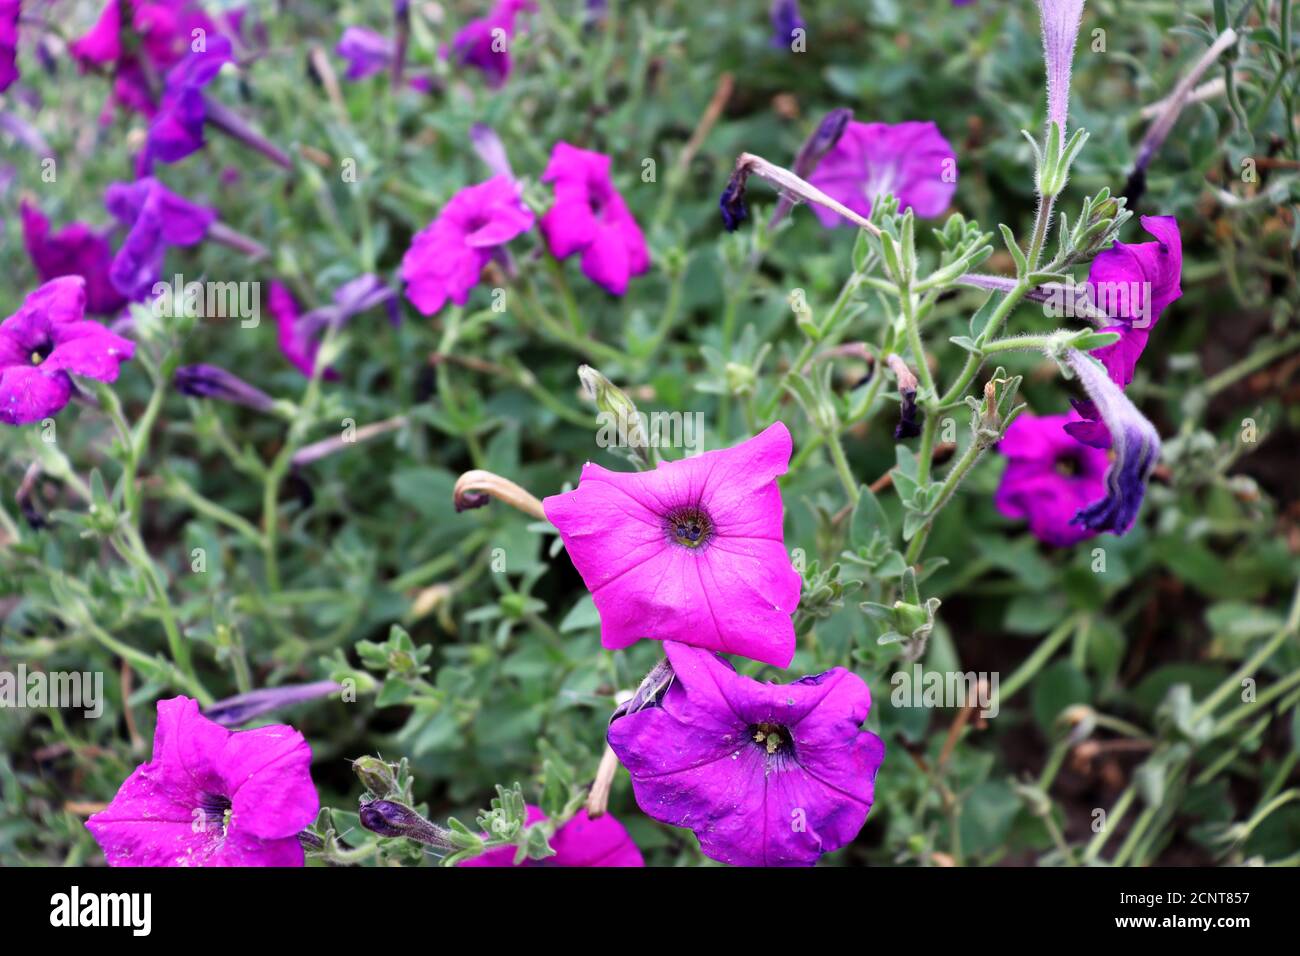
[
  {"x": 75, "y": 250},
  {"x": 448, "y": 255},
  {"x": 765, "y": 774},
  {"x": 1050, "y": 477},
  {"x": 9, "y": 10},
  {"x": 484, "y": 43},
  {"x": 911, "y": 161},
  {"x": 47, "y": 338},
  {"x": 589, "y": 216},
  {"x": 693, "y": 551},
  {"x": 211, "y": 797},
  {"x": 580, "y": 842}
]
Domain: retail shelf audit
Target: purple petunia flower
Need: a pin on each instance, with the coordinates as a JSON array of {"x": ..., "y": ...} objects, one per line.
[
  {"x": 211, "y": 797},
  {"x": 765, "y": 774},
  {"x": 47, "y": 338},
  {"x": 75, "y": 250},
  {"x": 912, "y": 161},
  {"x": 1050, "y": 477},
  {"x": 366, "y": 51},
  {"x": 296, "y": 344},
  {"x": 693, "y": 551},
  {"x": 786, "y": 19},
  {"x": 157, "y": 218},
  {"x": 240, "y": 709},
  {"x": 1134, "y": 444},
  {"x": 9, "y": 11},
  {"x": 484, "y": 43},
  {"x": 1134, "y": 283},
  {"x": 580, "y": 842},
  {"x": 177, "y": 129},
  {"x": 589, "y": 216},
  {"x": 447, "y": 256}
]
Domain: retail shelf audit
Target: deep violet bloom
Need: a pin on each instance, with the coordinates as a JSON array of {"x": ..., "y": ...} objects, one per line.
[
  {"x": 211, "y": 797},
  {"x": 211, "y": 381},
  {"x": 786, "y": 19},
  {"x": 1060, "y": 19},
  {"x": 580, "y": 842},
  {"x": 765, "y": 774},
  {"x": 177, "y": 128},
  {"x": 157, "y": 218},
  {"x": 589, "y": 216},
  {"x": 75, "y": 250},
  {"x": 1050, "y": 477},
  {"x": 48, "y": 337},
  {"x": 912, "y": 161},
  {"x": 484, "y": 43},
  {"x": 447, "y": 256},
  {"x": 9, "y": 10},
  {"x": 366, "y": 51},
  {"x": 693, "y": 551},
  {"x": 1134, "y": 444},
  {"x": 1134, "y": 283}
]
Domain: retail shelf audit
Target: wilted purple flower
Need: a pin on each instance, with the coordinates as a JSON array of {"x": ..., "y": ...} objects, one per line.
[
  {"x": 908, "y": 426},
  {"x": 589, "y": 216},
  {"x": 1060, "y": 31},
  {"x": 1050, "y": 477},
  {"x": 484, "y": 43},
  {"x": 911, "y": 161},
  {"x": 1135, "y": 449},
  {"x": 818, "y": 144},
  {"x": 765, "y": 774},
  {"x": 157, "y": 218},
  {"x": 447, "y": 256},
  {"x": 1134, "y": 283},
  {"x": 47, "y": 338},
  {"x": 487, "y": 144},
  {"x": 75, "y": 250},
  {"x": 210, "y": 797},
  {"x": 240, "y": 709},
  {"x": 389, "y": 818},
  {"x": 786, "y": 19},
  {"x": 210, "y": 381},
  {"x": 9, "y": 10}
]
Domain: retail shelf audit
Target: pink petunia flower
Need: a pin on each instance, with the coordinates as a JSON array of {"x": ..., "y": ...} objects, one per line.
[
  {"x": 297, "y": 344},
  {"x": 45, "y": 340},
  {"x": 211, "y": 797},
  {"x": 911, "y": 161},
  {"x": 580, "y": 842},
  {"x": 765, "y": 774},
  {"x": 589, "y": 216},
  {"x": 76, "y": 249},
  {"x": 693, "y": 551},
  {"x": 447, "y": 256},
  {"x": 1050, "y": 477}
]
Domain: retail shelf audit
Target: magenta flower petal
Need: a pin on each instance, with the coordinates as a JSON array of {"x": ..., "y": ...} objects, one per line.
[
  {"x": 447, "y": 256},
  {"x": 43, "y": 341},
  {"x": 589, "y": 216},
  {"x": 9, "y": 10},
  {"x": 1049, "y": 477},
  {"x": 693, "y": 551},
  {"x": 157, "y": 218},
  {"x": 296, "y": 343},
  {"x": 912, "y": 161},
  {"x": 1134, "y": 283},
  {"x": 765, "y": 774},
  {"x": 580, "y": 842},
  {"x": 211, "y": 797},
  {"x": 484, "y": 43}
]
